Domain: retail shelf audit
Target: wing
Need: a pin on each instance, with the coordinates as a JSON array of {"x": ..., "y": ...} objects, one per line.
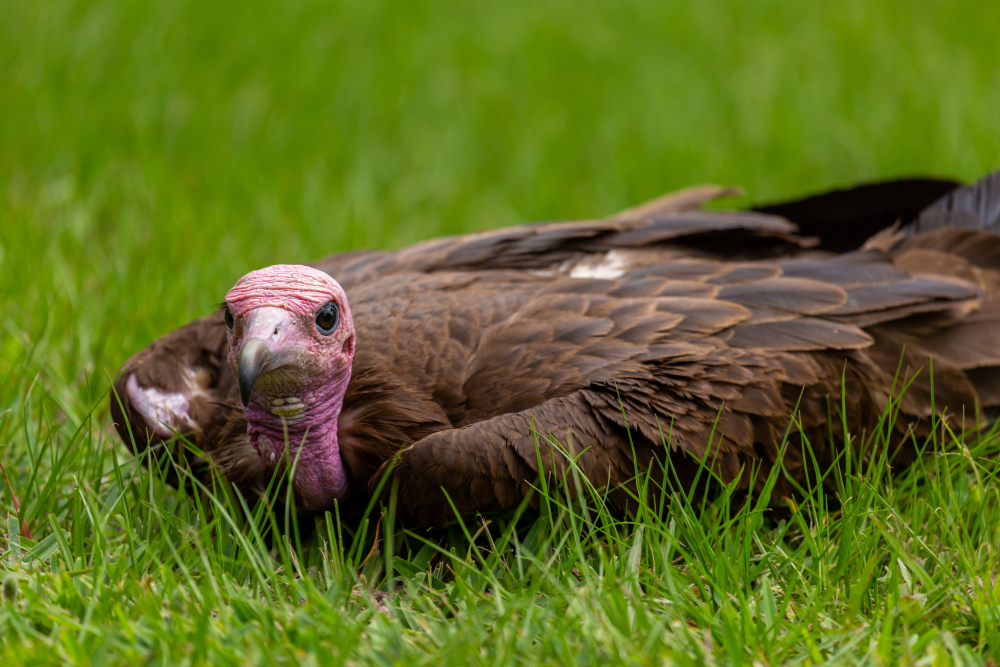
[
  {"x": 806, "y": 323},
  {"x": 620, "y": 372},
  {"x": 490, "y": 465}
]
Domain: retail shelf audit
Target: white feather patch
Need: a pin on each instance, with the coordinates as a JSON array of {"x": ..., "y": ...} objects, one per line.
[
  {"x": 164, "y": 412},
  {"x": 612, "y": 265}
]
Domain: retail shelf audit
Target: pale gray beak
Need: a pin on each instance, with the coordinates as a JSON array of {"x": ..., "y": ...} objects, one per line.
[{"x": 254, "y": 359}]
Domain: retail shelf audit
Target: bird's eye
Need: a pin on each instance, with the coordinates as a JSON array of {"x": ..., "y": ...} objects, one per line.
[
  {"x": 230, "y": 322},
  {"x": 327, "y": 318}
]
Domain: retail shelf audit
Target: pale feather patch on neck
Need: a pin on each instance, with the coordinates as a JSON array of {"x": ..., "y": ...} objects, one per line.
[{"x": 611, "y": 265}]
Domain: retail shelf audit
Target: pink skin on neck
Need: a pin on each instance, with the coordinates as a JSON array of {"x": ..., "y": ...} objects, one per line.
[{"x": 278, "y": 305}]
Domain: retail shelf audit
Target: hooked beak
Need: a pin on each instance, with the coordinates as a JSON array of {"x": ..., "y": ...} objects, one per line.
[{"x": 254, "y": 359}]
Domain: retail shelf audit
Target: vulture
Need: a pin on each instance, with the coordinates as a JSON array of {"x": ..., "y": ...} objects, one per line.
[{"x": 662, "y": 340}]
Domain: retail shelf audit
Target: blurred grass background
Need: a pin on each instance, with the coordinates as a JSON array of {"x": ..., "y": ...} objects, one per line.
[{"x": 152, "y": 152}]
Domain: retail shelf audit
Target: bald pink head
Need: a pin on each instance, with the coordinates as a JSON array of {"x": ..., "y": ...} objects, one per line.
[
  {"x": 294, "y": 287},
  {"x": 291, "y": 344}
]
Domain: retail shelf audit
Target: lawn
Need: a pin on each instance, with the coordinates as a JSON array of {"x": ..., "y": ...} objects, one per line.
[{"x": 152, "y": 152}]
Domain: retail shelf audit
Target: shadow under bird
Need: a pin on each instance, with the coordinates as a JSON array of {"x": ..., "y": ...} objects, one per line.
[{"x": 665, "y": 335}]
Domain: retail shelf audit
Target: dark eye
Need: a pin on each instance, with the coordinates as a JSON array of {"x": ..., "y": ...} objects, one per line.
[
  {"x": 327, "y": 318},
  {"x": 229, "y": 319}
]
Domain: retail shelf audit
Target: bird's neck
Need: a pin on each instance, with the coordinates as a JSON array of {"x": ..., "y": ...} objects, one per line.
[{"x": 307, "y": 440}]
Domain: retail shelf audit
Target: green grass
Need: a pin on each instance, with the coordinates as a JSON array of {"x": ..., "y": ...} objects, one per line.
[{"x": 153, "y": 152}]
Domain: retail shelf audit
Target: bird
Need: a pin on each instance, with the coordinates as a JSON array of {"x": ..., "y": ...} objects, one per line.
[{"x": 664, "y": 340}]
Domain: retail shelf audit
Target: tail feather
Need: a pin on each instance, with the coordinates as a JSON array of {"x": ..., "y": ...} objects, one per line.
[
  {"x": 975, "y": 206},
  {"x": 843, "y": 220},
  {"x": 963, "y": 224}
]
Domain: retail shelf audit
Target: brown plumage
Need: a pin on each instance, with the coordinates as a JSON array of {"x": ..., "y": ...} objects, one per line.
[{"x": 629, "y": 340}]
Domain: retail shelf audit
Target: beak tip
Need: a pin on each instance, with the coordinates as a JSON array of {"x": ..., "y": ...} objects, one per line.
[{"x": 253, "y": 359}]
